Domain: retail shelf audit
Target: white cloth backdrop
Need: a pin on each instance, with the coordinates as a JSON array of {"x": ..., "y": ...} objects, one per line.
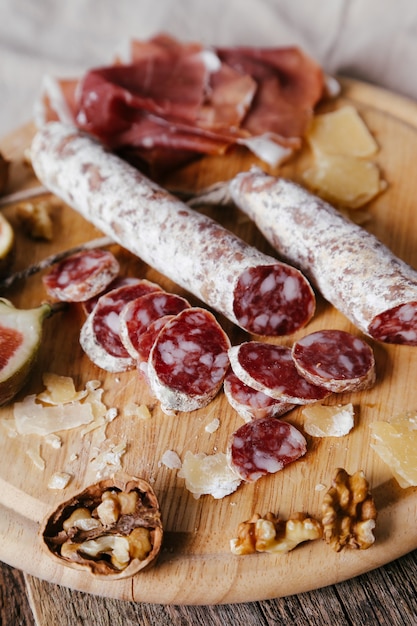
[{"x": 373, "y": 40}]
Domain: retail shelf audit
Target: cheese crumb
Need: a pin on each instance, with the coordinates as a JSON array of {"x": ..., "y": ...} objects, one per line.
[
  {"x": 171, "y": 460},
  {"x": 59, "y": 480},
  {"x": 212, "y": 426}
]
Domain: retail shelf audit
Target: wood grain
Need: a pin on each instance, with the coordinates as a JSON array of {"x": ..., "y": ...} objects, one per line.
[{"x": 196, "y": 566}]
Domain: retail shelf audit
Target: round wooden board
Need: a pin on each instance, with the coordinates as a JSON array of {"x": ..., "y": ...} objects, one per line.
[{"x": 196, "y": 565}]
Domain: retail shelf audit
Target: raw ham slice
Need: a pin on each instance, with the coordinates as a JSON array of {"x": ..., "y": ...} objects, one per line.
[
  {"x": 81, "y": 276},
  {"x": 99, "y": 335},
  {"x": 270, "y": 369},
  {"x": 173, "y": 99},
  {"x": 264, "y": 446},
  {"x": 250, "y": 403},
  {"x": 188, "y": 361}
]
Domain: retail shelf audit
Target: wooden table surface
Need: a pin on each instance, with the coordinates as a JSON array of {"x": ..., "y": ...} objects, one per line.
[{"x": 387, "y": 595}]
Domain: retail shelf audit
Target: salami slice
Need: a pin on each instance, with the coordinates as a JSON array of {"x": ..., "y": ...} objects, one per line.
[
  {"x": 147, "y": 339},
  {"x": 254, "y": 290},
  {"x": 335, "y": 360},
  {"x": 99, "y": 335},
  {"x": 81, "y": 276},
  {"x": 270, "y": 369},
  {"x": 264, "y": 446},
  {"x": 252, "y": 404},
  {"x": 137, "y": 314},
  {"x": 119, "y": 281},
  {"x": 188, "y": 361},
  {"x": 352, "y": 269}
]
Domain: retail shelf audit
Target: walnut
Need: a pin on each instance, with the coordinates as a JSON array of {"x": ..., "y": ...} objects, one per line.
[
  {"x": 271, "y": 534},
  {"x": 35, "y": 218},
  {"x": 113, "y": 528},
  {"x": 349, "y": 512}
]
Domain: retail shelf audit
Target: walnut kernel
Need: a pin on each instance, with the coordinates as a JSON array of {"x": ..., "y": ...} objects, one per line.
[
  {"x": 349, "y": 512},
  {"x": 273, "y": 535}
]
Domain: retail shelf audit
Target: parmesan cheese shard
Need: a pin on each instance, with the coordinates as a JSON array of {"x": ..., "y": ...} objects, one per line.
[
  {"x": 32, "y": 417},
  {"x": 328, "y": 421},
  {"x": 59, "y": 390},
  {"x": 171, "y": 460},
  {"x": 395, "y": 442},
  {"x": 344, "y": 179},
  {"x": 342, "y": 132},
  {"x": 207, "y": 474},
  {"x": 342, "y": 147}
]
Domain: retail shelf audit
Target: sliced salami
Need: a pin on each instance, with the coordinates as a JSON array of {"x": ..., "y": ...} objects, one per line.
[
  {"x": 99, "y": 336},
  {"x": 137, "y": 314},
  {"x": 254, "y": 290},
  {"x": 352, "y": 269},
  {"x": 271, "y": 369},
  {"x": 335, "y": 360},
  {"x": 147, "y": 339},
  {"x": 81, "y": 276},
  {"x": 252, "y": 404},
  {"x": 188, "y": 361},
  {"x": 119, "y": 281},
  {"x": 264, "y": 446}
]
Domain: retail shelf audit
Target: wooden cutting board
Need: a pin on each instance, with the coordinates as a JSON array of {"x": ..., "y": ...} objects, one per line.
[{"x": 196, "y": 565}]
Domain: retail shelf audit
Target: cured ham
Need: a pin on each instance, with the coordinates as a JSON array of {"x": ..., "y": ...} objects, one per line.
[{"x": 171, "y": 101}]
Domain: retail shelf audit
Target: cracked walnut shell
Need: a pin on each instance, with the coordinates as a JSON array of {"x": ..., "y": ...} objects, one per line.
[
  {"x": 112, "y": 529},
  {"x": 349, "y": 512}
]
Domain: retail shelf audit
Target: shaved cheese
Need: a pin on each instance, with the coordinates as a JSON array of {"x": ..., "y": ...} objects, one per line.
[
  {"x": 395, "y": 442},
  {"x": 341, "y": 132},
  {"x": 32, "y": 417},
  {"x": 208, "y": 474},
  {"x": 59, "y": 390},
  {"x": 108, "y": 461},
  {"x": 345, "y": 180},
  {"x": 328, "y": 421}
]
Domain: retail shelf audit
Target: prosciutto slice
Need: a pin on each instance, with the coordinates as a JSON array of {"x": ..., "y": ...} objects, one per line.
[{"x": 173, "y": 101}]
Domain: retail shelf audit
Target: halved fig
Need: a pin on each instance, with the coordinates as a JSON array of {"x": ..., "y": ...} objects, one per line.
[
  {"x": 20, "y": 339},
  {"x": 112, "y": 529}
]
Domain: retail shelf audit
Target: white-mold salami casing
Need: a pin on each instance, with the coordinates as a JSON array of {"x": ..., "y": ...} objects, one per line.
[{"x": 252, "y": 289}]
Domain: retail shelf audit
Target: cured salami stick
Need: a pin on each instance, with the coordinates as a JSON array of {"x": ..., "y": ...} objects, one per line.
[
  {"x": 254, "y": 290},
  {"x": 188, "y": 361},
  {"x": 250, "y": 403},
  {"x": 264, "y": 446},
  {"x": 352, "y": 269}
]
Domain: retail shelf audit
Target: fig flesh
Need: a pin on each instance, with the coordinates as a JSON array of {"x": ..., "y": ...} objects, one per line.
[{"x": 20, "y": 339}]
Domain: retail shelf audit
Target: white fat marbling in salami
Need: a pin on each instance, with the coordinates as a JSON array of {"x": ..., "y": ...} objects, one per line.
[
  {"x": 146, "y": 340},
  {"x": 271, "y": 369},
  {"x": 138, "y": 314},
  {"x": 250, "y": 403},
  {"x": 335, "y": 360},
  {"x": 99, "y": 336},
  {"x": 188, "y": 361},
  {"x": 352, "y": 269},
  {"x": 264, "y": 446},
  {"x": 256, "y": 291},
  {"x": 81, "y": 276}
]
